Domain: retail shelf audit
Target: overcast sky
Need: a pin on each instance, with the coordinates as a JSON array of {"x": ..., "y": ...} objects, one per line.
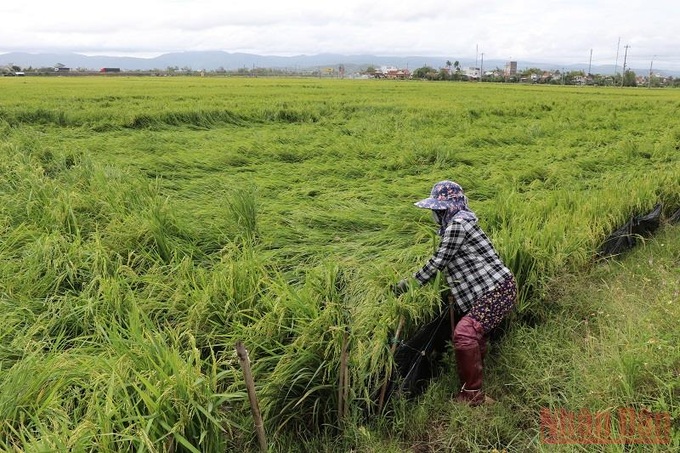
[{"x": 561, "y": 32}]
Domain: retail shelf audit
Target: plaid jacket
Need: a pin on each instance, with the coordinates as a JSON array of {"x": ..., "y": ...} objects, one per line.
[{"x": 469, "y": 262}]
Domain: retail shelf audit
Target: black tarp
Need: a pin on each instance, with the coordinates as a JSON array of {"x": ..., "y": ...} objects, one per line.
[
  {"x": 675, "y": 217},
  {"x": 627, "y": 236},
  {"x": 417, "y": 358}
]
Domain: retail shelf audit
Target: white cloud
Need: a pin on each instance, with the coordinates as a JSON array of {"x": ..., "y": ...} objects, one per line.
[{"x": 534, "y": 31}]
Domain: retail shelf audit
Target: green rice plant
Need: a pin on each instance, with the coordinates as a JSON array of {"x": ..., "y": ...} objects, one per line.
[
  {"x": 199, "y": 119},
  {"x": 42, "y": 116},
  {"x": 243, "y": 207},
  {"x": 145, "y": 390},
  {"x": 301, "y": 391},
  {"x": 160, "y": 379},
  {"x": 41, "y": 394}
]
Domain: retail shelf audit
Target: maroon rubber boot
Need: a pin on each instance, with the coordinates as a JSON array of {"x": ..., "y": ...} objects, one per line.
[{"x": 469, "y": 363}]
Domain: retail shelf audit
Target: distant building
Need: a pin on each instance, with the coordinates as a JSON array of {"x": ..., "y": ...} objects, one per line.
[
  {"x": 511, "y": 68},
  {"x": 398, "y": 74},
  {"x": 391, "y": 72},
  {"x": 62, "y": 69},
  {"x": 580, "y": 80},
  {"x": 472, "y": 73},
  {"x": 109, "y": 70},
  {"x": 387, "y": 69}
]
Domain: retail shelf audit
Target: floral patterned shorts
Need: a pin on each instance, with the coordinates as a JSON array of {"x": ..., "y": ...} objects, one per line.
[{"x": 492, "y": 307}]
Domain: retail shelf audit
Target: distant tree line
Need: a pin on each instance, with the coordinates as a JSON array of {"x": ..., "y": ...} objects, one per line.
[{"x": 452, "y": 71}]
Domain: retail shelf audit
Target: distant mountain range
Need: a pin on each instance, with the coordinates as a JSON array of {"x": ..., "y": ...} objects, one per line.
[{"x": 214, "y": 60}]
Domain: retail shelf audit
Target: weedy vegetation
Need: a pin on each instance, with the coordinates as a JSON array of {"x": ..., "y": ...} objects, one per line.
[{"x": 149, "y": 224}]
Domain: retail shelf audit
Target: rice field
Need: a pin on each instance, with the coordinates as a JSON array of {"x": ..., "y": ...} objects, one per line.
[{"x": 148, "y": 224}]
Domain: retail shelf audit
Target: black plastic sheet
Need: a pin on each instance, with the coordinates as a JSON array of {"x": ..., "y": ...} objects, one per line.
[{"x": 627, "y": 237}]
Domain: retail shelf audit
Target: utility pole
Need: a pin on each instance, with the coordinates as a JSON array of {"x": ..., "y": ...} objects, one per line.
[
  {"x": 481, "y": 69},
  {"x": 616, "y": 65},
  {"x": 590, "y": 62},
  {"x": 625, "y": 56},
  {"x": 649, "y": 81}
]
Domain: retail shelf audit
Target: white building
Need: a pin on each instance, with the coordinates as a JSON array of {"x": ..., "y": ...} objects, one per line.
[
  {"x": 472, "y": 73},
  {"x": 387, "y": 69}
]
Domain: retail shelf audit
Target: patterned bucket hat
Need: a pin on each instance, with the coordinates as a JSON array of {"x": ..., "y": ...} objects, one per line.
[{"x": 444, "y": 195}]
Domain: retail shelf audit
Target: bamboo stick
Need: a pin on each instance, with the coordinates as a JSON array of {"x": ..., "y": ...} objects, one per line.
[
  {"x": 343, "y": 385},
  {"x": 452, "y": 314},
  {"x": 346, "y": 374},
  {"x": 250, "y": 384},
  {"x": 383, "y": 390}
]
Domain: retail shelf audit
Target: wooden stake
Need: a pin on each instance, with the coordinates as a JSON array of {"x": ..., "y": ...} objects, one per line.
[
  {"x": 393, "y": 348},
  {"x": 242, "y": 354},
  {"x": 343, "y": 385},
  {"x": 452, "y": 314},
  {"x": 345, "y": 405}
]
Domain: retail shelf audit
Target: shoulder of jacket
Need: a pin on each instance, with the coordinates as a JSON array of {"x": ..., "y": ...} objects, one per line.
[
  {"x": 461, "y": 226},
  {"x": 457, "y": 225},
  {"x": 462, "y": 222}
]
